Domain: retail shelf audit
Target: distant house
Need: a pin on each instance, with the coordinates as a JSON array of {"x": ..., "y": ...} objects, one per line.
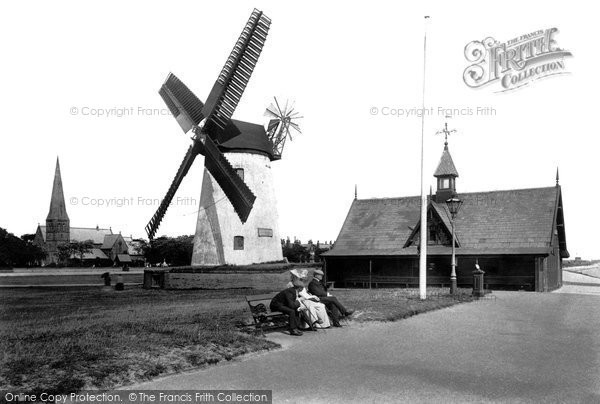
[
  {"x": 115, "y": 247},
  {"x": 316, "y": 249},
  {"x": 135, "y": 250},
  {"x": 516, "y": 236}
]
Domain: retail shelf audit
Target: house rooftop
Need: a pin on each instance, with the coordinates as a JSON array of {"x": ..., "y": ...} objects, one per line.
[{"x": 518, "y": 221}]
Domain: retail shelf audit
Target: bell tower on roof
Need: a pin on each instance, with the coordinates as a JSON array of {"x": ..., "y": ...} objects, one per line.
[{"x": 446, "y": 172}]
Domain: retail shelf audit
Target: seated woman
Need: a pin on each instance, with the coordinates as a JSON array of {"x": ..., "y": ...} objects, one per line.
[{"x": 316, "y": 310}]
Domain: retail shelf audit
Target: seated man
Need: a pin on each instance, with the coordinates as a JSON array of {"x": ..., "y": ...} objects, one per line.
[
  {"x": 287, "y": 302},
  {"x": 317, "y": 288}
]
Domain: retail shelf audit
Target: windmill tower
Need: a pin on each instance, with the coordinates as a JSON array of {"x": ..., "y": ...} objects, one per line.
[{"x": 237, "y": 220}]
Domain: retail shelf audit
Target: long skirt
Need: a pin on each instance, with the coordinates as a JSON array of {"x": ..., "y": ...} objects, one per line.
[{"x": 316, "y": 312}]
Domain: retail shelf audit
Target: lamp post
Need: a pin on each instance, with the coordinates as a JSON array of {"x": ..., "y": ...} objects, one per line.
[{"x": 454, "y": 205}]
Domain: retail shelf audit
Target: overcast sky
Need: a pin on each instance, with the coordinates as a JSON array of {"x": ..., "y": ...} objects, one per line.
[{"x": 62, "y": 61}]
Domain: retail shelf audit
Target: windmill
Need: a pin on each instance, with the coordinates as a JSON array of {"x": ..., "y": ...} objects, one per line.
[
  {"x": 237, "y": 220},
  {"x": 211, "y": 122},
  {"x": 278, "y": 128}
]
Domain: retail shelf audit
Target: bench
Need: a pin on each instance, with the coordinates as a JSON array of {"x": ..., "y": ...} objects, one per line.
[{"x": 265, "y": 319}]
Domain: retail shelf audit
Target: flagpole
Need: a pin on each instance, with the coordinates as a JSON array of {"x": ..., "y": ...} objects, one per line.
[{"x": 423, "y": 229}]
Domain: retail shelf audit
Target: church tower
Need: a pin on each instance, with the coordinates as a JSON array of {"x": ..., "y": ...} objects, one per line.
[
  {"x": 445, "y": 173},
  {"x": 57, "y": 221}
]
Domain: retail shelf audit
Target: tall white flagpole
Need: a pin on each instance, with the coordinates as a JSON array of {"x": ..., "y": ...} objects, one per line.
[{"x": 423, "y": 234}]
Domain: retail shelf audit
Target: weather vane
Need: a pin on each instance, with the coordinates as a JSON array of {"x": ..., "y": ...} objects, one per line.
[{"x": 445, "y": 132}]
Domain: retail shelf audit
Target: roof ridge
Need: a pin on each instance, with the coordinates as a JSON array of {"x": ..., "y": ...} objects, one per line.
[
  {"x": 459, "y": 193},
  {"x": 90, "y": 228}
]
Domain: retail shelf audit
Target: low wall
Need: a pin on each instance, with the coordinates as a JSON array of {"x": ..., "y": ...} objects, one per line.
[{"x": 218, "y": 278}]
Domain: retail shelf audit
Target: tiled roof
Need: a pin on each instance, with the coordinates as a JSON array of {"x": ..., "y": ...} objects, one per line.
[
  {"x": 446, "y": 165},
  {"x": 92, "y": 255},
  {"x": 84, "y": 234},
  {"x": 124, "y": 257},
  {"x": 497, "y": 222},
  {"x": 110, "y": 240},
  {"x": 96, "y": 253}
]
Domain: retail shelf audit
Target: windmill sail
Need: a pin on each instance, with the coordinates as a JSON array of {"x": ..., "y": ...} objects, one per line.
[
  {"x": 181, "y": 101},
  {"x": 234, "y": 76},
  {"x": 184, "y": 167},
  {"x": 236, "y": 190},
  {"x": 189, "y": 112}
]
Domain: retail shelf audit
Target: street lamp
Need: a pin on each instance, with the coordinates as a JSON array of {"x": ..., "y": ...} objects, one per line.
[{"x": 454, "y": 205}]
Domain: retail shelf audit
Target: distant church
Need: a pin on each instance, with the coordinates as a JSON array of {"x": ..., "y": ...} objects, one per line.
[
  {"x": 516, "y": 236},
  {"x": 108, "y": 248}
]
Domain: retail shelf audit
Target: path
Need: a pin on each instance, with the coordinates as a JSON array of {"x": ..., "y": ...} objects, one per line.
[{"x": 521, "y": 347}]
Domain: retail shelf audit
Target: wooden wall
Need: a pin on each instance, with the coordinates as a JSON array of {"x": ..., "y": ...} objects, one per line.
[{"x": 501, "y": 271}]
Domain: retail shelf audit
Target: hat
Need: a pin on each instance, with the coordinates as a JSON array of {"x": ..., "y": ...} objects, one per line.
[
  {"x": 318, "y": 272},
  {"x": 303, "y": 273}
]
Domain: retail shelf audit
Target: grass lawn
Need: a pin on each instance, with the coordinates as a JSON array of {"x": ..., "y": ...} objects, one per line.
[{"x": 67, "y": 339}]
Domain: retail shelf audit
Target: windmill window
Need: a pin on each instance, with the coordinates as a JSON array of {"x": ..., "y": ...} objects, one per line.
[
  {"x": 238, "y": 243},
  {"x": 240, "y": 172},
  {"x": 444, "y": 183}
]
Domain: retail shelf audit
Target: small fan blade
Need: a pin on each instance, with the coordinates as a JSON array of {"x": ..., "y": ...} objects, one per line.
[{"x": 271, "y": 112}]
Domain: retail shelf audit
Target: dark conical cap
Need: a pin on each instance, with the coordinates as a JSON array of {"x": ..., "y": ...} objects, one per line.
[
  {"x": 58, "y": 209},
  {"x": 446, "y": 166}
]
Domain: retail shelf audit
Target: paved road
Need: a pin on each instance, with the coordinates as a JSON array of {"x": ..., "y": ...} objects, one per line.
[
  {"x": 580, "y": 284},
  {"x": 521, "y": 347}
]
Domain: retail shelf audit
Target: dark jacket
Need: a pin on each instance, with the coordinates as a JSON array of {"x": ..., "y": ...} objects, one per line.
[
  {"x": 287, "y": 298},
  {"x": 317, "y": 288}
]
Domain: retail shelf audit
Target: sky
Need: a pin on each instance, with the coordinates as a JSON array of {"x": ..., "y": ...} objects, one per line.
[{"x": 81, "y": 82}]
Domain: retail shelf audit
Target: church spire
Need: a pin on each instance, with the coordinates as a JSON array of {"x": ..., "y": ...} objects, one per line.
[{"x": 58, "y": 210}]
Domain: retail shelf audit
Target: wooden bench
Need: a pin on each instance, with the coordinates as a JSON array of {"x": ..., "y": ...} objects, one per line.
[{"x": 265, "y": 319}]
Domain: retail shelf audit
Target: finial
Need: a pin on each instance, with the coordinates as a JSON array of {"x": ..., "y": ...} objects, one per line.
[
  {"x": 557, "y": 176},
  {"x": 355, "y": 191},
  {"x": 446, "y": 132}
]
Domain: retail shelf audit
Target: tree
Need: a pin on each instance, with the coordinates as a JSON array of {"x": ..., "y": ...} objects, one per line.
[
  {"x": 15, "y": 251},
  {"x": 295, "y": 252},
  {"x": 74, "y": 248},
  {"x": 28, "y": 238},
  {"x": 176, "y": 251},
  {"x": 80, "y": 248},
  {"x": 64, "y": 252}
]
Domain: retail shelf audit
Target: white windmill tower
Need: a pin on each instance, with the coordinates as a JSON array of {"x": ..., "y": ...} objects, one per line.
[{"x": 221, "y": 237}]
